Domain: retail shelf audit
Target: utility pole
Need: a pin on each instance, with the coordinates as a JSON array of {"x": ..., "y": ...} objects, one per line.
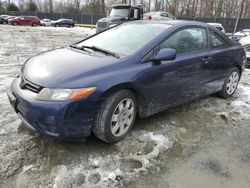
[{"x": 239, "y": 17}]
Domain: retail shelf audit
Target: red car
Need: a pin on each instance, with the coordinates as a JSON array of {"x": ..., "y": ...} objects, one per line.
[{"x": 25, "y": 20}]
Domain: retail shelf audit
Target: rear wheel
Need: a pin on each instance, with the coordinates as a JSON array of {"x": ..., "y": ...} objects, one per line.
[
  {"x": 231, "y": 83},
  {"x": 115, "y": 117},
  {"x": 34, "y": 24},
  {"x": 14, "y": 23}
]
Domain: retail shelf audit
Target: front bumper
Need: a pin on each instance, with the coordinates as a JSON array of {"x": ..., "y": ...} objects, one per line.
[{"x": 66, "y": 120}]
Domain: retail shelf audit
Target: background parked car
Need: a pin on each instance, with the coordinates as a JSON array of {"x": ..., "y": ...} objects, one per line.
[
  {"x": 245, "y": 42},
  {"x": 156, "y": 16},
  {"x": 3, "y": 21},
  {"x": 25, "y": 20},
  {"x": 240, "y": 34},
  {"x": 4, "y": 16},
  {"x": 63, "y": 23},
  {"x": 46, "y": 22},
  {"x": 218, "y": 26}
]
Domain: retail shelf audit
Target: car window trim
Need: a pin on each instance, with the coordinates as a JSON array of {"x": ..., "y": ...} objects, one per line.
[
  {"x": 177, "y": 55},
  {"x": 210, "y": 31}
]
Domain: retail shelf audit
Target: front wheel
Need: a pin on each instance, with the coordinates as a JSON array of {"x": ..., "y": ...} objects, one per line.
[
  {"x": 115, "y": 117},
  {"x": 231, "y": 83}
]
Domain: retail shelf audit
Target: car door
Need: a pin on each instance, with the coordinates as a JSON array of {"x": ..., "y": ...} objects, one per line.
[
  {"x": 21, "y": 21},
  {"x": 64, "y": 22},
  {"x": 218, "y": 63},
  {"x": 174, "y": 82},
  {"x": 27, "y": 20}
]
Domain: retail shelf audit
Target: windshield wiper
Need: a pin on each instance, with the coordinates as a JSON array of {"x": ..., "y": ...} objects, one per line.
[
  {"x": 107, "y": 52},
  {"x": 78, "y": 47},
  {"x": 94, "y": 48}
]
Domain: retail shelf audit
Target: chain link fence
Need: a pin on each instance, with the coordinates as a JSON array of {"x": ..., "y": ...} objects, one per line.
[
  {"x": 228, "y": 23},
  {"x": 79, "y": 18}
]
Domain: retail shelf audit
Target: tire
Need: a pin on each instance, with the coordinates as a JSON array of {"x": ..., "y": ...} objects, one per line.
[
  {"x": 57, "y": 25},
  {"x": 229, "y": 89},
  {"x": 14, "y": 23},
  {"x": 105, "y": 123},
  {"x": 34, "y": 24}
]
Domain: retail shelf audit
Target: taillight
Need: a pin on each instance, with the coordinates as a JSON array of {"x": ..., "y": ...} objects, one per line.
[{"x": 149, "y": 17}]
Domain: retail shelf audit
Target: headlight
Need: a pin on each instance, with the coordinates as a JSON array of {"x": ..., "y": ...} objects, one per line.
[{"x": 64, "y": 94}]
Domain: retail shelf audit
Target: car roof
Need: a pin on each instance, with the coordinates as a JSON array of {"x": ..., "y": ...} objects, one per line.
[
  {"x": 215, "y": 24},
  {"x": 66, "y": 19},
  {"x": 174, "y": 22}
]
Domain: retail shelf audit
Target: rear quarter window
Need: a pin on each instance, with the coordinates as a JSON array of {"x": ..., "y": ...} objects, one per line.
[{"x": 216, "y": 40}]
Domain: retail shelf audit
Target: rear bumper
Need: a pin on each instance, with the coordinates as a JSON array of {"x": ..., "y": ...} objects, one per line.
[{"x": 67, "y": 120}]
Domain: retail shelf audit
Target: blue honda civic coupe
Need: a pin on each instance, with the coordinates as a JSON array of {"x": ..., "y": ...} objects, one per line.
[{"x": 102, "y": 83}]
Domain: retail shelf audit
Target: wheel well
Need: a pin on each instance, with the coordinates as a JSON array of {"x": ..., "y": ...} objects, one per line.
[
  {"x": 141, "y": 102},
  {"x": 239, "y": 67}
]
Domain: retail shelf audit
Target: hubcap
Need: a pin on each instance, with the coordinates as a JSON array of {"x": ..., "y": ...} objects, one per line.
[
  {"x": 232, "y": 83},
  {"x": 122, "y": 117}
]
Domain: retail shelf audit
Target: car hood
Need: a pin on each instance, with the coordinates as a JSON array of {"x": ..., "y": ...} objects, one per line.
[
  {"x": 64, "y": 67},
  {"x": 245, "y": 40},
  {"x": 239, "y": 34}
]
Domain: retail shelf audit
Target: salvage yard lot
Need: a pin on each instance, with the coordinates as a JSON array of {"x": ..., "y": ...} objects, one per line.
[{"x": 201, "y": 144}]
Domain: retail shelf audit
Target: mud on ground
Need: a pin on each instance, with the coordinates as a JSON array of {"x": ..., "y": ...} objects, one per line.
[{"x": 200, "y": 144}]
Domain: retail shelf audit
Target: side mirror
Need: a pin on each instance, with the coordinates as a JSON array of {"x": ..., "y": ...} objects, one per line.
[
  {"x": 165, "y": 54},
  {"x": 136, "y": 14}
]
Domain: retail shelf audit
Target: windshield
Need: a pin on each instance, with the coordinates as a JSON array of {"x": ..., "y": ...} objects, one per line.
[
  {"x": 122, "y": 12},
  {"x": 126, "y": 38}
]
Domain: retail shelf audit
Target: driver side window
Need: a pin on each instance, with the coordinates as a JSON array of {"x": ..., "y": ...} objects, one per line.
[
  {"x": 187, "y": 40},
  {"x": 164, "y": 14}
]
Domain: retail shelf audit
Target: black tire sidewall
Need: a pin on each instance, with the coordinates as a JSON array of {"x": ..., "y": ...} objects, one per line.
[
  {"x": 102, "y": 127},
  {"x": 223, "y": 92}
]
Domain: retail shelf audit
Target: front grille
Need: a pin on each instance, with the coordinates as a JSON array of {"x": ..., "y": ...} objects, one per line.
[
  {"x": 247, "y": 47},
  {"x": 102, "y": 24},
  {"x": 26, "y": 84}
]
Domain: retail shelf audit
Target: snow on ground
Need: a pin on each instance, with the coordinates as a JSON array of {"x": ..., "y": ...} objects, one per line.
[{"x": 180, "y": 138}]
